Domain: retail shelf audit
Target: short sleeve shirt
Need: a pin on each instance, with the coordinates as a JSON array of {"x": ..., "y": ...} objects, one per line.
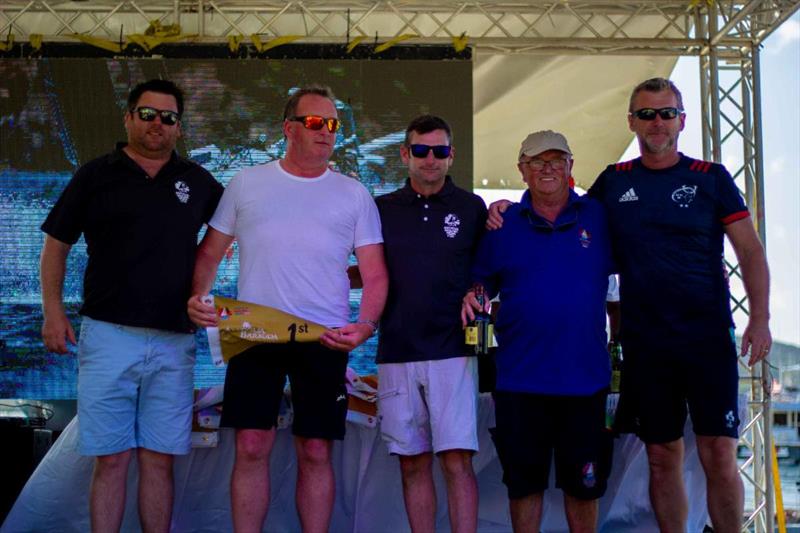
[
  {"x": 430, "y": 242},
  {"x": 667, "y": 229},
  {"x": 141, "y": 236}
]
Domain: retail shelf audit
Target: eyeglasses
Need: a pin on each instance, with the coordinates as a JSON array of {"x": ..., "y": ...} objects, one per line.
[
  {"x": 149, "y": 114},
  {"x": 648, "y": 113},
  {"x": 441, "y": 151},
  {"x": 539, "y": 164},
  {"x": 316, "y": 122}
]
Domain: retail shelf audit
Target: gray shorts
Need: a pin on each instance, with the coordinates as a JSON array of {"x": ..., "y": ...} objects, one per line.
[{"x": 429, "y": 405}]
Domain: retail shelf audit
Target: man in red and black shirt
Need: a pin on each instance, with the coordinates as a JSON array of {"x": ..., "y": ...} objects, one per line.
[{"x": 667, "y": 216}]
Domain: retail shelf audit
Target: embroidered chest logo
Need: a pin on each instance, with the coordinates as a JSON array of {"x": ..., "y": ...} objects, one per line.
[
  {"x": 684, "y": 195},
  {"x": 585, "y": 238},
  {"x": 182, "y": 191},
  {"x": 451, "y": 224},
  {"x": 629, "y": 196}
]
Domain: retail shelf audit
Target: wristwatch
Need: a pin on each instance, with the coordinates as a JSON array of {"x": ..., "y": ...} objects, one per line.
[{"x": 372, "y": 323}]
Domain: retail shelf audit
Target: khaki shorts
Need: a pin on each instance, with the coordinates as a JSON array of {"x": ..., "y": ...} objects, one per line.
[{"x": 429, "y": 405}]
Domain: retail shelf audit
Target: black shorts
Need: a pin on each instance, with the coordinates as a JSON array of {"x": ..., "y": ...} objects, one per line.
[
  {"x": 532, "y": 428},
  {"x": 255, "y": 380},
  {"x": 662, "y": 379}
]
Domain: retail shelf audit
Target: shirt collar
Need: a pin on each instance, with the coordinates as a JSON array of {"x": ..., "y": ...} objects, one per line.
[
  {"x": 568, "y": 216},
  {"x": 118, "y": 156},
  {"x": 446, "y": 191}
]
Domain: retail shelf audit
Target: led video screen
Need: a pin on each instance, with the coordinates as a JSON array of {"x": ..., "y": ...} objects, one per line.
[{"x": 57, "y": 114}]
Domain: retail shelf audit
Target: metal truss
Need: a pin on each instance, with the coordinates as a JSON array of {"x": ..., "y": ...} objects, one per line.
[
  {"x": 725, "y": 34},
  {"x": 641, "y": 27},
  {"x": 731, "y": 109}
]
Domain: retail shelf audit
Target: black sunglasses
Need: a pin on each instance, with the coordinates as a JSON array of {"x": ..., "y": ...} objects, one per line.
[
  {"x": 648, "y": 113},
  {"x": 316, "y": 122},
  {"x": 149, "y": 114},
  {"x": 441, "y": 151}
]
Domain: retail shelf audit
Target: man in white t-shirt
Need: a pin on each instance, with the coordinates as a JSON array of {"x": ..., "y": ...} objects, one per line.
[{"x": 297, "y": 222}]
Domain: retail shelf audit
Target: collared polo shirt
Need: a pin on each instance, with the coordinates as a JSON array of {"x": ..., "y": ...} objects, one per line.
[
  {"x": 141, "y": 236},
  {"x": 552, "y": 280},
  {"x": 429, "y": 244}
]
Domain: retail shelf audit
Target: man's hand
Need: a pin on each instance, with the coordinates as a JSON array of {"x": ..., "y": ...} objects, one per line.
[
  {"x": 496, "y": 210},
  {"x": 56, "y": 331},
  {"x": 347, "y": 338},
  {"x": 202, "y": 314},
  {"x": 757, "y": 339},
  {"x": 469, "y": 304}
]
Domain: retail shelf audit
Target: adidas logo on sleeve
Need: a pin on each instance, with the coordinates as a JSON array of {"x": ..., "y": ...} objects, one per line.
[{"x": 629, "y": 196}]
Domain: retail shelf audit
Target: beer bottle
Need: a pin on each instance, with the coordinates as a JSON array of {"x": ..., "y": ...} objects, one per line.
[
  {"x": 612, "y": 400},
  {"x": 615, "y": 352},
  {"x": 480, "y": 332}
]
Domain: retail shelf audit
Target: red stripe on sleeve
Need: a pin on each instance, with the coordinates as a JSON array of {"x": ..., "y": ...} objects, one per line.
[{"x": 733, "y": 217}]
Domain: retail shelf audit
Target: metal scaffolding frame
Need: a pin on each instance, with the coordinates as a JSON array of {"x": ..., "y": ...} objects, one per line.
[{"x": 725, "y": 34}]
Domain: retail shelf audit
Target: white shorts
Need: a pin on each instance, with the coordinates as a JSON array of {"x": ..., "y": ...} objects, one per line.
[{"x": 429, "y": 405}]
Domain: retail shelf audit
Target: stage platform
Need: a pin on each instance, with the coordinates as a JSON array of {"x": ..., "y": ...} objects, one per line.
[{"x": 368, "y": 488}]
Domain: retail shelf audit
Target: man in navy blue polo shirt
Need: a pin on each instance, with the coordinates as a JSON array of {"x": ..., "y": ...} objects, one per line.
[
  {"x": 140, "y": 209},
  {"x": 427, "y": 382},
  {"x": 550, "y": 264},
  {"x": 668, "y": 214}
]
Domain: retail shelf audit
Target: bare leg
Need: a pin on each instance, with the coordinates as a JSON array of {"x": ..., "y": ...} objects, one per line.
[
  {"x": 724, "y": 488},
  {"x": 155, "y": 490},
  {"x": 250, "y": 479},
  {"x": 462, "y": 490},
  {"x": 667, "y": 493},
  {"x": 526, "y": 513},
  {"x": 581, "y": 514},
  {"x": 419, "y": 493},
  {"x": 316, "y": 487},
  {"x": 107, "y": 493}
]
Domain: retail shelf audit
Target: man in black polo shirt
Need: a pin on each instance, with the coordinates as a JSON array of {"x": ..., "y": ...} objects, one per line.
[
  {"x": 140, "y": 209},
  {"x": 427, "y": 381}
]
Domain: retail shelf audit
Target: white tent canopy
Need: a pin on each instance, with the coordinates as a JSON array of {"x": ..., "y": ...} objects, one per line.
[{"x": 585, "y": 98}]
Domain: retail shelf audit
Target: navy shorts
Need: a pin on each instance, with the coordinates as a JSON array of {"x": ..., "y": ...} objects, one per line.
[
  {"x": 663, "y": 381},
  {"x": 533, "y": 428},
  {"x": 255, "y": 380}
]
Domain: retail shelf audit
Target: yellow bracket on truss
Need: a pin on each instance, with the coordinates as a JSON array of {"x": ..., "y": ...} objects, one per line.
[
  {"x": 234, "y": 42},
  {"x": 388, "y": 44},
  {"x": 272, "y": 43},
  {"x": 9, "y": 42},
  {"x": 460, "y": 42},
  {"x": 355, "y": 42}
]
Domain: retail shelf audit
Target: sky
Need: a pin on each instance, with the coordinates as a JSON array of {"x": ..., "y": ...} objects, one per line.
[{"x": 780, "y": 106}]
